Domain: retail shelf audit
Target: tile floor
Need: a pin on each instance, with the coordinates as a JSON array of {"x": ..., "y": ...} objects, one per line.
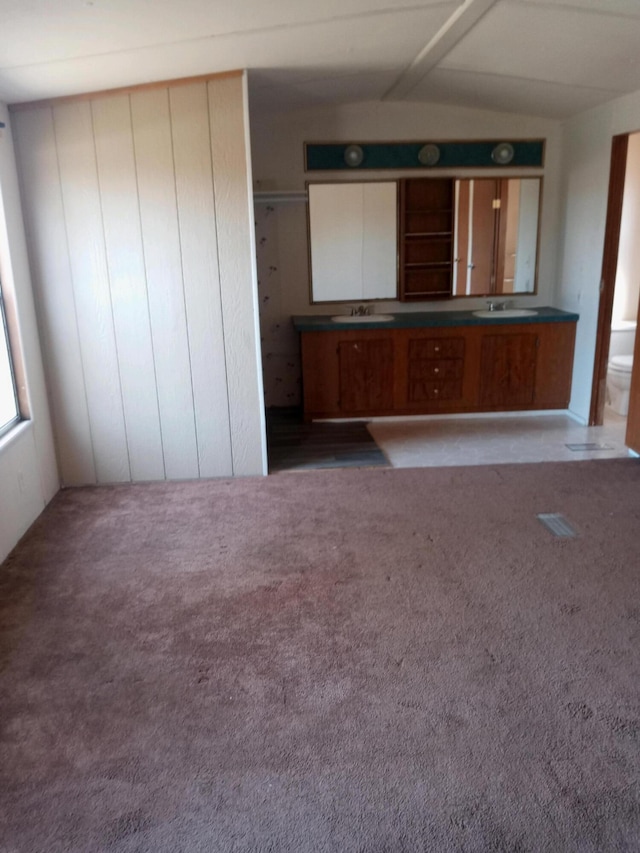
[{"x": 416, "y": 443}]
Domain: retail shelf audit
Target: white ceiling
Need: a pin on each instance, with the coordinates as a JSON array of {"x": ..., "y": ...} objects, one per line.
[{"x": 537, "y": 57}]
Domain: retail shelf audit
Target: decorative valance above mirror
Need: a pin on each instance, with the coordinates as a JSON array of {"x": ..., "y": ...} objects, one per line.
[
  {"x": 423, "y": 238},
  {"x": 331, "y": 156}
]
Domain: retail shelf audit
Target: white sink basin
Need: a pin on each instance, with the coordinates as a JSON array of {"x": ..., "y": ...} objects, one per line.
[
  {"x": 507, "y": 312},
  {"x": 362, "y": 318}
]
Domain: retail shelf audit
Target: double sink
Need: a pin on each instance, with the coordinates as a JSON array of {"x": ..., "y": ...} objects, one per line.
[{"x": 498, "y": 314}]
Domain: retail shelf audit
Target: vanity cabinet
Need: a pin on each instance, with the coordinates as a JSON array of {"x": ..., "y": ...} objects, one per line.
[{"x": 437, "y": 370}]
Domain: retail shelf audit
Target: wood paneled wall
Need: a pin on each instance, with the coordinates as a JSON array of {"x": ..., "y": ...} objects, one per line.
[{"x": 140, "y": 224}]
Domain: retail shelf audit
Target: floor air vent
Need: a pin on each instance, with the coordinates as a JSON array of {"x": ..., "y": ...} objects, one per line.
[{"x": 557, "y": 524}]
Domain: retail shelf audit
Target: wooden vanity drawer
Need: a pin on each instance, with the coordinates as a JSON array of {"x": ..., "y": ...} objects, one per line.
[
  {"x": 421, "y": 390},
  {"x": 434, "y": 369},
  {"x": 426, "y": 348}
]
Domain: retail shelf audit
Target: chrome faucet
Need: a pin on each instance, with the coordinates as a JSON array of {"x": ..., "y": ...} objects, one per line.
[
  {"x": 498, "y": 306},
  {"x": 360, "y": 311}
]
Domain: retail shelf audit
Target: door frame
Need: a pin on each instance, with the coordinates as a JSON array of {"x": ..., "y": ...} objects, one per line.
[{"x": 617, "y": 174}]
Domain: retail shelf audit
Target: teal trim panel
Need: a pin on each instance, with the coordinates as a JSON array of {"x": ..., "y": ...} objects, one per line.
[{"x": 404, "y": 155}]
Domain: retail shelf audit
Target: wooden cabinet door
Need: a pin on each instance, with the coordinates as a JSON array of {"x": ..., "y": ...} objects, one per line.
[
  {"x": 508, "y": 370},
  {"x": 554, "y": 364},
  {"x": 366, "y": 375}
]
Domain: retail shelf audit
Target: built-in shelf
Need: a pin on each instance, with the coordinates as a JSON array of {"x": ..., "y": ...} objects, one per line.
[
  {"x": 417, "y": 265},
  {"x": 426, "y": 294},
  {"x": 280, "y": 196},
  {"x": 426, "y": 238}
]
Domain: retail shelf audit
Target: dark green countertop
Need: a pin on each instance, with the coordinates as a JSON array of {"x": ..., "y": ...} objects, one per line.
[{"x": 433, "y": 319}]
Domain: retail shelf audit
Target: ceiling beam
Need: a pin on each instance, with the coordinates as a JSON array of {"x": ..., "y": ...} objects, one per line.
[{"x": 463, "y": 19}]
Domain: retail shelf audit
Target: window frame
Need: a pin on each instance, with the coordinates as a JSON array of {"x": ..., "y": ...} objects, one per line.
[{"x": 10, "y": 424}]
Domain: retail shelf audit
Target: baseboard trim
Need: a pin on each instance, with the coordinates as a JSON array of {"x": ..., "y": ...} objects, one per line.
[{"x": 456, "y": 416}]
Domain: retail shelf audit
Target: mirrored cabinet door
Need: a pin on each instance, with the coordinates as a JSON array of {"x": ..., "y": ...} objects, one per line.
[
  {"x": 353, "y": 241},
  {"x": 496, "y": 236}
]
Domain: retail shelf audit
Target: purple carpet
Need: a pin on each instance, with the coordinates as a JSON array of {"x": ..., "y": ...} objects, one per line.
[{"x": 365, "y": 660}]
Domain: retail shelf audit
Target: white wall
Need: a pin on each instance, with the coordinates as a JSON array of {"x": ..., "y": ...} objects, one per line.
[
  {"x": 586, "y": 163},
  {"x": 140, "y": 224},
  {"x": 278, "y": 164},
  {"x": 28, "y": 471}
]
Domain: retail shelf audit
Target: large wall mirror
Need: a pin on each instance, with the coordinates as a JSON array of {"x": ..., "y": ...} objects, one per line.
[{"x": 366, "y": 239}]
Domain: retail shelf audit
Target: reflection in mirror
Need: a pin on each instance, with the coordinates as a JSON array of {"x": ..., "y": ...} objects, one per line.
[
  {"x": 353, "y": 241},
  {"x": 496, "y": 236}
]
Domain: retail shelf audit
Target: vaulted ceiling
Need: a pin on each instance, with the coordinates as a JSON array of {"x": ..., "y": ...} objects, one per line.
[{"x": 536, "y": 57}]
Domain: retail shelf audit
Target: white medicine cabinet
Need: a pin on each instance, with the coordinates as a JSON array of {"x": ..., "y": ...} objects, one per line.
[{"x": 353, "y": 231}]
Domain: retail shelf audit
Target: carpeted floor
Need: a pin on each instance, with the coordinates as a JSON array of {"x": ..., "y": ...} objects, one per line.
[{"x": 365, "y": 660}]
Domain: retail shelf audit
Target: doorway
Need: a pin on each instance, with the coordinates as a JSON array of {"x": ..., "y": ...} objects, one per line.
[{"x": 616, "y": 383}]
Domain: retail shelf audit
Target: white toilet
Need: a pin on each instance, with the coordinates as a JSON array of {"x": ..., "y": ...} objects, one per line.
[{"x": 623, "y": 334}]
